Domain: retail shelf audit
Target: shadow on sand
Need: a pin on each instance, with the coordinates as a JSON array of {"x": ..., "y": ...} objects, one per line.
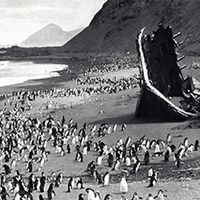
[{"x": 132, "y": 119}]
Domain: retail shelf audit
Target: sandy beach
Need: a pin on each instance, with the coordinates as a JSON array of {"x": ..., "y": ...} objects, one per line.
[{"x": 118, "y": 108}]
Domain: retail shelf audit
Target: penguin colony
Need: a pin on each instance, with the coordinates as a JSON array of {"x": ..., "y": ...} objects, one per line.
[{"x": 25, "y": 141}]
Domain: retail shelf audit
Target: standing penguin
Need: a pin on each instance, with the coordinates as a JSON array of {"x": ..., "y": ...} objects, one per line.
[
  {"x": 167, "y": 156},
  {"x": 3, "y": 193},
  {"x": 91, "y": 193},
  {"x": 99, "y": 160},
  {"x": 150, "y": 172},
  {"x": 36, "y": 184},
  {"x": 58, "y": 180},
  {"x": 153, "y": 179},
  {"x": 31, "y": 183},
  {"x": 114, "y": 128},
  {"x": 168, "y": 139},
  {"x": 13, "y": 164},
  {"x": 123, "y": 127},
  {"x": 106, "y": 178},
  {"x": 97, "y": 177},
  {"x": 50, "y": 192},
  {"x": 136, "y": 166},
  {"x": 110, "y": 159},
  {"x": 70, "y": 185},
  {"x": 30, "y": 166},
  {"x": 123, "y": 185},
  {"x": 185, "y": 142},
  {"x": 42, "y": 182},
  {"x": 68, "y": 148},
  {"x": 116, "y": 165},
  {"x": 196, "y": 145},
  {"x": 146, "y": 158},
  {"x": 79, "y": 183}
]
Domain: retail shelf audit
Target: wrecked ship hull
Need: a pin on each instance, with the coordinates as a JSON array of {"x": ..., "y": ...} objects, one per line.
[{"x": 152, "y": 102}]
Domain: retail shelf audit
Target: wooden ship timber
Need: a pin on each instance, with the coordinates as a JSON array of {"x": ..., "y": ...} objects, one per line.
[{"x": 162, "y": 79}]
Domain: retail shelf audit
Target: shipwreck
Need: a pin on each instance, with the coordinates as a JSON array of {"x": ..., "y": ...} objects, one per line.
[{"x": 164, "y": 91}]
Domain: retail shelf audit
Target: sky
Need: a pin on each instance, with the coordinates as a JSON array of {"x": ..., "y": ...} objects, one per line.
[{"x": 21, "y": 18}]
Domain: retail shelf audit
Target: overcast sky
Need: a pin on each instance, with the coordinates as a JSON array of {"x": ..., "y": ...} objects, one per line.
[{"x": 21, "y": 18}]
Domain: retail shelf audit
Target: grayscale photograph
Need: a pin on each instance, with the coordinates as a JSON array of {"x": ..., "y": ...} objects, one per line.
[{"x": 99, "y": 99}]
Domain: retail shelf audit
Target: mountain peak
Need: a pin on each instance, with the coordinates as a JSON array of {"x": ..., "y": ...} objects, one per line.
[{"x": 50, "y": 35}]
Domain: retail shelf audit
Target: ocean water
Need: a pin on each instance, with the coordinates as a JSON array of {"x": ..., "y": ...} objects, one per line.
[{"x": 19, "y": 72}]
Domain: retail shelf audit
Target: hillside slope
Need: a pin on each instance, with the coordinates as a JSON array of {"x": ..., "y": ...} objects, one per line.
[
  {"x": 50, "y": 35},
  {"x": 116, "y": 25}
]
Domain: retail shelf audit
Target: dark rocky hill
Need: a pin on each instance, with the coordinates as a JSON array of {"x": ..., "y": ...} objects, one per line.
[
  {"x": 115, "y": 26},
  {"x": 50, "y": 35}
]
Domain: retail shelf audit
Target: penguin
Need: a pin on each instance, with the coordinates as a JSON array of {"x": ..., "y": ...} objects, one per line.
[
  {"x": 127, "y": 142},
  {"x": 123, "y": 127},
  {"x": 97, "y": 176},
  {"x": 114, "y": 128},
  {"x": 81, "y": 196},
  {"x": 110, "y": 159},
  {"x": 189, "y": 150},
  {"x": 91, "y": 193},
  {"x": 168, "y": 139},
  {"x": 30, "y": 166},
  {"x": 50, "y": 192},
  {"x": 177, "y": 160},
  {"x": 31, "y": 183},
  {"x": 13, "y": 164},
  {"x": 136, "y": 166},
  {"x": 36, "y": 184},
  {"x": 58, "y": 180},
  {"x": 41, "y": 197},
  {"x": 79, "y": 183},
  {"x": 3, "y": 178},
  {"x": 150, "y": 172},
  {"x": 97, "y": 196},
  {"x": 42, "y": 182},
  {"x": 196, "y": 145},
  {"x": 85, "y": 148},
  {"x": 3, "y": 193},
  {"x": 6, "y": 169},
  {"x": 167, "y": 156},
  {"x": 173, "y": 147},
  {"x": 146, "y": 158},
  {"x": 123, "y": 185},
  {"x": 153, "y": 179},
  {"x": 150, "y": 197},
  {"x": 185, "y": 142},
  {"x": 116, "y": 165},
  {"x": 70, "y": 185},
  {"x": 106, "y": 178},
  {"x": 68, "y": 148},
  {"x": 99, "y": 160},
  {"x": 160, "y": 195},
  {"x": 108, "y": 197}
]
